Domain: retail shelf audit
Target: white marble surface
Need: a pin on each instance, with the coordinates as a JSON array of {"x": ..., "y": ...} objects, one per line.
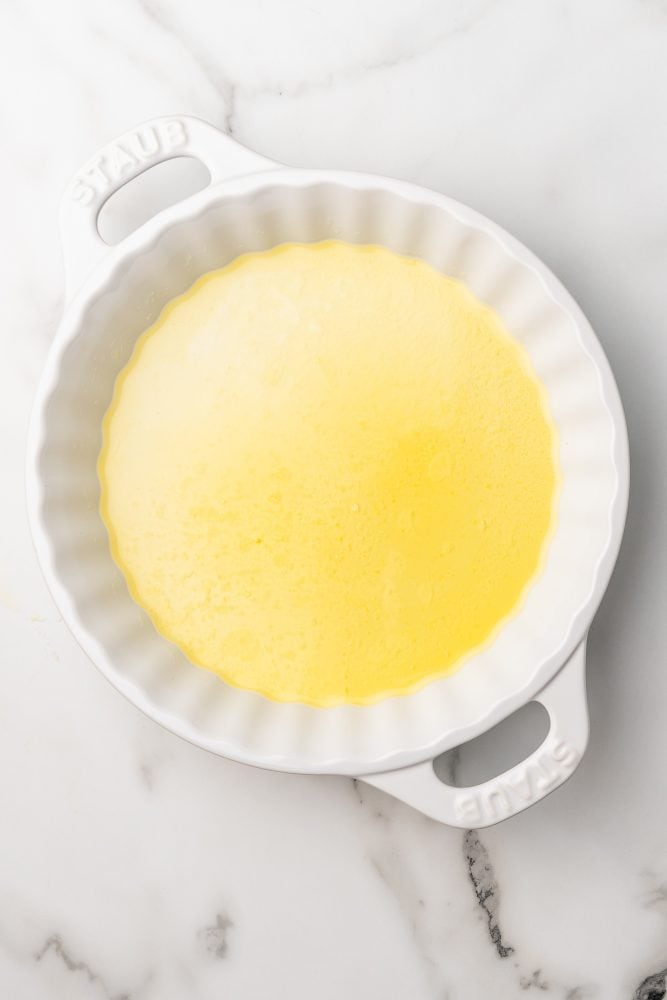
[{"x": 136, "y": 866}]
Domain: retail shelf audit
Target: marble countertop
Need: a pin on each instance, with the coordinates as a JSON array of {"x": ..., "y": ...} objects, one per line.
[{"x": 136, "y": 866}]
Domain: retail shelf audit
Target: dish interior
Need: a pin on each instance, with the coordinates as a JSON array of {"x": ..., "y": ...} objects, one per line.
[
  {"x": 328, "y": 473},
  {"x": 96, "y": 339}
]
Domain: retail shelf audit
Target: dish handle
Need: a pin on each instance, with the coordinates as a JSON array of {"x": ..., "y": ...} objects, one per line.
[
  {"x": 521, "y": 786},
  {"x": 125, "y": 158}
]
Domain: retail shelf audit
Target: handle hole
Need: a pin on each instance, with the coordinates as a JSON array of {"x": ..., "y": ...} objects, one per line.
[
  {"x": 140, "y": 199},
  {"x": 488, "y": 755}
]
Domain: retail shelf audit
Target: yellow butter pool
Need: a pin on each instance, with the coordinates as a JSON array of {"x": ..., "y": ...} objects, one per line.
[{"x": 328, "y": 473}]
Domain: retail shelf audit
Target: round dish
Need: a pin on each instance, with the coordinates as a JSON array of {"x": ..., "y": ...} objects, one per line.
[{"x": 114, "y": 293}]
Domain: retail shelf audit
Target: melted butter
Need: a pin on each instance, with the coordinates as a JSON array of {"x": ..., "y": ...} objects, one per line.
[{"x": 328, "y": 473}]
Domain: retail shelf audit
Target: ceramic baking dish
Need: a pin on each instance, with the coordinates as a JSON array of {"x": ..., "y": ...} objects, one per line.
[{"x": 114, "y": 293}]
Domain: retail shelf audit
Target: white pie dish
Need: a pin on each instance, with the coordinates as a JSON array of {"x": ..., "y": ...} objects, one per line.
[{"x": 115, "y": 293}]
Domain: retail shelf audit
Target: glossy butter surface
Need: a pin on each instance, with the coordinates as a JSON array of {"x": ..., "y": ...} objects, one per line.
[{"x": 328, "y": 473}]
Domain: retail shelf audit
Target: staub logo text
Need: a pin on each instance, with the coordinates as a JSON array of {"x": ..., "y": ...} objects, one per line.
[
  {"x": 520, "y": 786},
  {"x": 126, "y": 158}
]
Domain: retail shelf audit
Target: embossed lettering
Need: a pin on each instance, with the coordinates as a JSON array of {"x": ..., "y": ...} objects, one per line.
[
  {"x": 138, "y": 147},
  {"x": 146, "y": 142},
  {"x": 564, "y": 753},
  {"x": 546, "y": 779},
  {"x": 120, "y": 161},
  {"x": 522, "y": 784},
  {"x": 96, "y": 171},
  {"x": 173, "y": 133},
  {"x": 82, "y": 193},
  {"x": 497, "y": 803},
  {"x": 469, "y": 808}
]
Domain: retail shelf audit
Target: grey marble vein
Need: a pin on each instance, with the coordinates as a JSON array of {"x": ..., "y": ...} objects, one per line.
[
  {"x": 54, "y": 944},
  {"x": 400, "y": 883},
  {"x": 228, "y": 90},
  {"x": 210, "y": 70},
  {"x": 653, "y": 987},
  {"x": 374, "y": 802},
  {"x": 655, "y": 895},
  {"x": 354, "y": 73},
  {"x": 483, "y": 878},
  {"x": 534, "y": 981},
  {"x": 147, "y": 776},
  {"x": 213, "y": 939}
]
